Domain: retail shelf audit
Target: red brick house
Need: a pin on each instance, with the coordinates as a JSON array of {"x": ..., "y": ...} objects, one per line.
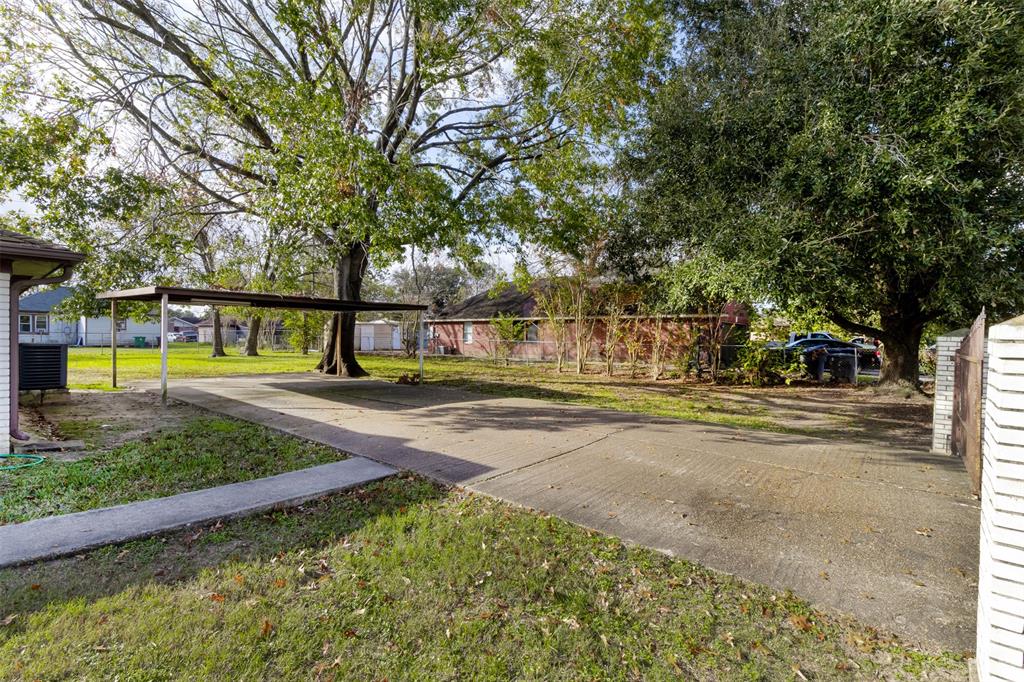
[{"x": 466, "y": 328}]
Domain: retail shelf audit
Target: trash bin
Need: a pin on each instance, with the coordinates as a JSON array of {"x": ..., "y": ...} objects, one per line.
[
  {"x": 844, "y": 368},
  {"x": 819, "y": 359},
  {"x": 815, "y": 361},
  {"x": 139, "y": 341}
]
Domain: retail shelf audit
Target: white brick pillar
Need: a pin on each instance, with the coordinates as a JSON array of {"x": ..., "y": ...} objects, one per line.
[
  {"x": 942, "y": 410},
  {"x": 1001, "y": 571},
  {"x": 5, "y": 362}
]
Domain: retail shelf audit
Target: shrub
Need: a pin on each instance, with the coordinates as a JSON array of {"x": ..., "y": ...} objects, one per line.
[{"x": 762, "y": 366}]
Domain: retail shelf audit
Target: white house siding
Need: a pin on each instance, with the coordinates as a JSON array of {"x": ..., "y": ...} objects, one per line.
[
  {"x": 5, "y": 362},
  {"x": 60, "y": 331},
  {"x": 95, "y": 331},
  {"x": 1000, "y": 645}
]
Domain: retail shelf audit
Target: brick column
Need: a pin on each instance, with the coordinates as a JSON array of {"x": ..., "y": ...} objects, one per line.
[
  {"x": 5, "y": 362},
  {"x": 942, "y": 414},
  {"x": 1000, "y": 654}
]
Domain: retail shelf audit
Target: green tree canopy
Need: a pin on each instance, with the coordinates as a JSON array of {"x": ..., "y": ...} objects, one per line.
[
  {"x": 366, "y": 126},
  {"x": 861, "y": 157}
]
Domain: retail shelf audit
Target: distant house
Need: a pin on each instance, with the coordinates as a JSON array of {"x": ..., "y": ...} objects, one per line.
[
  {"x": 232, "y": 331},
  {"x": 38, "y": 324},
  {"x": 180, "y": 325},
  {"x": 466, "y": 328}
]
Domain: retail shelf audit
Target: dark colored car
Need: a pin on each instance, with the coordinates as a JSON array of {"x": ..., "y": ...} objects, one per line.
[{"x": 866, "y": 357}]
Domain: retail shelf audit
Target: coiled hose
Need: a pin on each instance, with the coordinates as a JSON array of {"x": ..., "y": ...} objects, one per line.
[{"x": 32, "y": 460}]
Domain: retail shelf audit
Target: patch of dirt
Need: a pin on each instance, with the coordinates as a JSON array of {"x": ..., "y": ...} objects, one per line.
[{"x": 102, "y": 419}]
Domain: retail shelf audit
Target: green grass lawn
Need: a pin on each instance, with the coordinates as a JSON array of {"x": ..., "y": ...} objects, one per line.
[
  {"x": 90, "y": 368},
  {"x": 203, "y": 453},
  {"x": 406, "y": 580}
]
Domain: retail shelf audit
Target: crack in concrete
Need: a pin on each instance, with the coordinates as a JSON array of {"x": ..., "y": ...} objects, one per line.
[{"x": 548, "y": 459}]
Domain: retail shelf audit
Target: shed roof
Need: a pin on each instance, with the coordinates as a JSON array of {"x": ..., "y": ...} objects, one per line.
[{"x": 251, "y": 298}]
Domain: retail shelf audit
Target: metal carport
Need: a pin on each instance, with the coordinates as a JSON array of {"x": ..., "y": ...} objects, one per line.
[{"x": 253, "y": 299}]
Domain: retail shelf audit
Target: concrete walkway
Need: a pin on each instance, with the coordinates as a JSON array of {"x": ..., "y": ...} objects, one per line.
[
  {"x": 889, "y": 536},
  {"x": 73, "y": 533}
]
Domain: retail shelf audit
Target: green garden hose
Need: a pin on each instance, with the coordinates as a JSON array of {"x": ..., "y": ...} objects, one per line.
[{"x": 32, "y": 460}]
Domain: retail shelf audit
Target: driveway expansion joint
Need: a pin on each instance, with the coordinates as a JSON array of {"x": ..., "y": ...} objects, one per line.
[{"x": 546, "y": 460}]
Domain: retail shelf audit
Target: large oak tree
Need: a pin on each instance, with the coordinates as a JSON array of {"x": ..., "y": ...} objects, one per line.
[
  {"x": 366, "y": 124},
  {"x": 858, "y": 157}
]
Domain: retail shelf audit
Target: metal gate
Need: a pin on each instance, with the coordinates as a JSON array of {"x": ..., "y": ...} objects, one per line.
[{"x": 968, "y": 365}]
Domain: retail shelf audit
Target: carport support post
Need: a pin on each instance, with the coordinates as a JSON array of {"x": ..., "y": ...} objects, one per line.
[
  {"x": 163, "y": 349},
  {"x": 113, "y": 343},
  {"x": 420, "y": 338},
  {"x": 337, "y": 346}
]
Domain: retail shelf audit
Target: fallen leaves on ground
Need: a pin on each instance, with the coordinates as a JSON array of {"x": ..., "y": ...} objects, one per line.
[{"x": 800, "y": 622}]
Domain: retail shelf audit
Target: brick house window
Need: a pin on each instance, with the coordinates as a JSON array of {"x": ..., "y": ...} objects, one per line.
[
  {"x": 467, "y": 332},
  {"x": 532, "y": 331}
]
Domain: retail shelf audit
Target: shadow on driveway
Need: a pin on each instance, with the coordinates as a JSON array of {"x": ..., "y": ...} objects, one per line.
[{"x": 888, "y": 535}]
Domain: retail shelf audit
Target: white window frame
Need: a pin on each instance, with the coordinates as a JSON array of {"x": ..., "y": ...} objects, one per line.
[
  {"x": 31, "y": 321},
  {"x": 467, "y": 332}
]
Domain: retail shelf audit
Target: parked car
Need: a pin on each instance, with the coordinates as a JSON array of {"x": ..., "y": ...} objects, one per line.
[
  {"x": 867, "y": 357},
  {"x": 186, "y": 337},
  {"x": 795, "y": 336}
]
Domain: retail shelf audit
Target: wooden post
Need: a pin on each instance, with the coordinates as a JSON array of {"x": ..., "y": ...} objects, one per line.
[
  {"x": 337, "y": 347},
  {"x": 163, "y": 349},
  {"x": 113, "y": 343},
  {"x": 420, "y": 338}
]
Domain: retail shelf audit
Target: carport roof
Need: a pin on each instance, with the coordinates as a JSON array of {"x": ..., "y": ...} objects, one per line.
[{"x": 254, "y": 299}]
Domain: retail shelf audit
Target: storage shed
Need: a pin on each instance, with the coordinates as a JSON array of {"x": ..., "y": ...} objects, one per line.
[{"x": 378, "y": 335}]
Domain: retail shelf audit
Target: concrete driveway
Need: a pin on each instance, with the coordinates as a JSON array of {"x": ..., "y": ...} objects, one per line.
[{"x": 889, "y": 536}]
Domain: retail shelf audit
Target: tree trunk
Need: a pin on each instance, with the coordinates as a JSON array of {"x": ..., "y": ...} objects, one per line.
[
  {"x": 902, "y": 326},
  {"x": 901, "y": 349},
  {"x": 218, "y": 336},
  {"x": 252, "y": 341},
  {"x": 348, "y": 284}
]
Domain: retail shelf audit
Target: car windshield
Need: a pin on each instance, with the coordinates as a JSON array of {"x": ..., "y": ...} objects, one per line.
[{"x": 811, "y": 343}]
